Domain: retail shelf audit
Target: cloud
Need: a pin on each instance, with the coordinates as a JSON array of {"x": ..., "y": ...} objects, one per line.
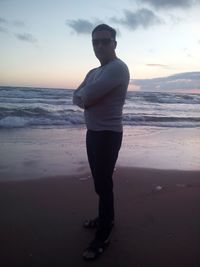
[
  {"x": 3, "y": 21},
  {"x": 177, "y": 82},
  {"x": 3, "y": 29},
  {"x": 81, "y": 26},
  {"x": 26, "y": 37},
  {"x": 157, "y": 65},
  {"x": 140, "y": 18},
  {"x": 171, "y": 3},
  {"x": 19, "y": 23}
]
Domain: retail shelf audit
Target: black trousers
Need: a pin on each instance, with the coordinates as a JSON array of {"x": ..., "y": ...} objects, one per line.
[{"x": 102, "y": 151}]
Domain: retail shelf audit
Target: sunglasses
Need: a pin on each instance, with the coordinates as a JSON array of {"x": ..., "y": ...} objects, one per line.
[{"x": 103, "y": 41}]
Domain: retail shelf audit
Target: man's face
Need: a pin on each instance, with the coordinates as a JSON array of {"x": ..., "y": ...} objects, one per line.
[{"x": 104, "y": 45}]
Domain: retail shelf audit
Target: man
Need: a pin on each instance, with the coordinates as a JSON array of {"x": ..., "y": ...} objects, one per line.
[{"x": 102, "y": 95}]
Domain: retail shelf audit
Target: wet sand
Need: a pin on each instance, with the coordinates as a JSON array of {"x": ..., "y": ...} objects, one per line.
[{"x": 34, "y": 153}]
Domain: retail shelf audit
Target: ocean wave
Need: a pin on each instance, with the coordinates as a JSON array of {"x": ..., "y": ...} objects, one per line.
[
  {"x": 130, "y": 119},
  {"x": 77, "y": 118},
  {"x": 33, "y": 100},
  {"x": 163, "y": 98},
  {"x": 19, "y": 122},
  {"x": 31, "y": 107}
]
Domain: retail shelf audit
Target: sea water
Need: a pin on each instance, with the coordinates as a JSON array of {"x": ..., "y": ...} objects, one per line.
[{"x": 47, "y": 107}]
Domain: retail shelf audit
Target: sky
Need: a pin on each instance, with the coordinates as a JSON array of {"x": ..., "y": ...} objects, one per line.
[{"x": 47, "y": 43}]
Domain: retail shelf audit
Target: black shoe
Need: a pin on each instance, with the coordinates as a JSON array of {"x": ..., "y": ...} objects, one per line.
[{"x": 95, "y": 249}]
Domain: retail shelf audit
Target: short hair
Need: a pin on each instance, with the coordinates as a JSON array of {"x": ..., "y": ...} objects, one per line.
[{"x": 105, "y": 27}]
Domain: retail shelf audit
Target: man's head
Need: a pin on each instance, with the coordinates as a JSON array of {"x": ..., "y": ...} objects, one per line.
[{"x": 104, "y": 43}]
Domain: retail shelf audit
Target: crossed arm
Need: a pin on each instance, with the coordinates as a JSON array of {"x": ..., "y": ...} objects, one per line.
[{"x": 87, "y": 95}]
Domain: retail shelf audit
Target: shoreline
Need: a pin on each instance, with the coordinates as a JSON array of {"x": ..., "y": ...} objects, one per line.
[
  {"x": 41, "y": 220},
  {"x": 34, "y": 153}
]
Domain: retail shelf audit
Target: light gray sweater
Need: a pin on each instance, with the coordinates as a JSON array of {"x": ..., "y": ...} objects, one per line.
[{"x": 102, "y": 96}]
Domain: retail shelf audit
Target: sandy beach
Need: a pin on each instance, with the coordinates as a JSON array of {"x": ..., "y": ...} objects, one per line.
[
  {"x": 46, "y": 191},
  {"x": 157, "y": 220},
  {"x": 31, "y": 153}
]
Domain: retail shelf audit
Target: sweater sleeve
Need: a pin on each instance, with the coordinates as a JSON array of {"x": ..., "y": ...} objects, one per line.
[
  {"x": 77, "y": 96},
  {"x": 77, "y": 100}
]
